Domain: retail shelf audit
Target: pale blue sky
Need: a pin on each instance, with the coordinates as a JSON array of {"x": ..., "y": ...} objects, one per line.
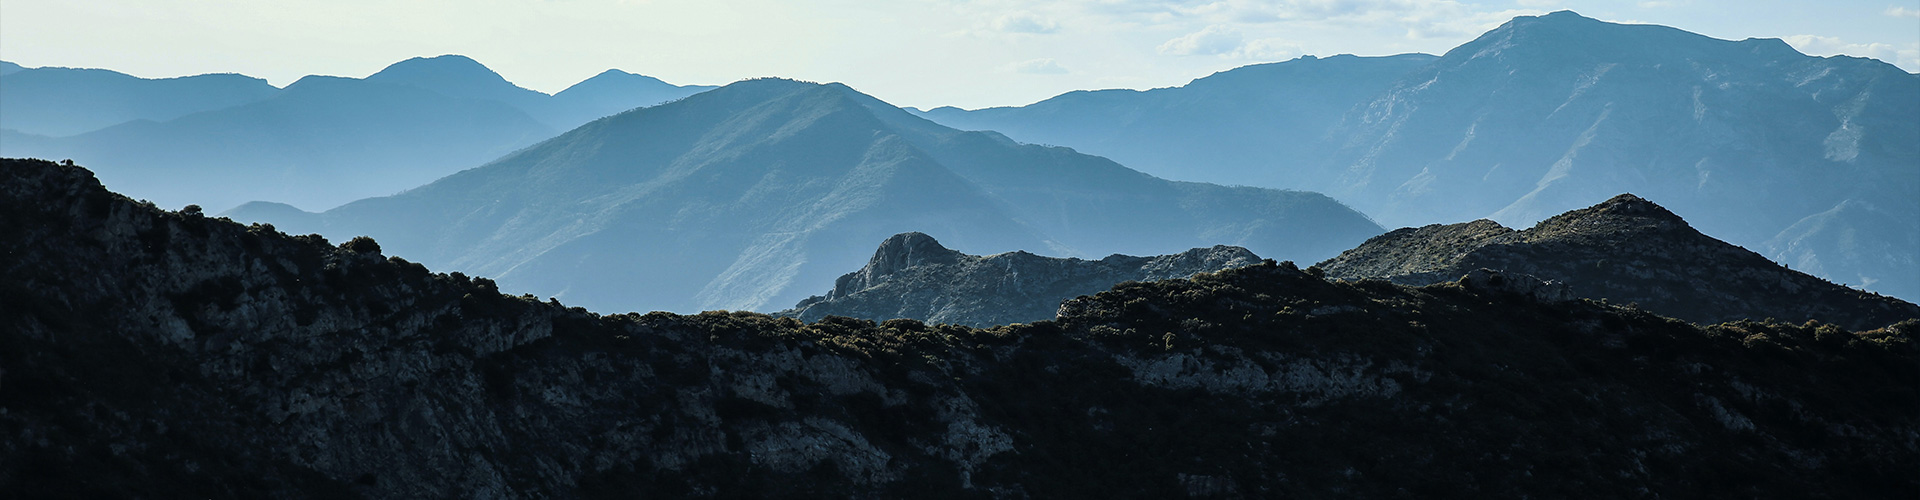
[{"x": 969, "y": 53}]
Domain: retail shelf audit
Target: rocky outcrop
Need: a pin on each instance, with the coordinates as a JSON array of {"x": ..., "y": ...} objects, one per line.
[
  {"x": 1625, "y": 250},
  {"x": 912, "y": 276},
  {"x": 154, "y": 353}
]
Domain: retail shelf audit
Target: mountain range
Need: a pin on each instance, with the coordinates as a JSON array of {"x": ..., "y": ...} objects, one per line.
[
  {"x": 912, "y": 276},
  {"x": 752, "y": 195},
  {"x": 1627, "y": 250},
  {"x": 222, "y": 140},
  {"x": 1813, "y": 161},
  {"x": 156, "y": 351}
]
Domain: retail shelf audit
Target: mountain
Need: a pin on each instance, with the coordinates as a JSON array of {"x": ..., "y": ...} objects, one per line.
[
  {"x": 320, "y": 142},
  {"x": 610, "y": 92},
  {"x": 1250, "y": 126},
  {"x": 8, "y": 68},
  {"x": 66, "y": 101},
  {"x": 1746, "y": 137},
  {"x": 152, "y": 351},
  {"x": 1626, "y": 250},
  {"x": 911, "y": 276},
  {"x": 751, "y": 195}
]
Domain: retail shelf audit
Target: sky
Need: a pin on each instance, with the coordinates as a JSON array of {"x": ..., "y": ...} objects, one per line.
[{"x": 923, "y": 53}]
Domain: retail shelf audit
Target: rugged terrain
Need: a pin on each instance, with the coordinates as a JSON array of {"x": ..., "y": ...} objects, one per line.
[
  {"x": 758, "y": 194},
  {"x": 1809, "y": 160},
  {"x": 148, "y": 351},
  {"x": 1625, "y": 250},
  {"x": 911, "y": 276}
]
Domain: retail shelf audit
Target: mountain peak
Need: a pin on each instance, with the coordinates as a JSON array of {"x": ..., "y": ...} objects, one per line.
[
  {"x": 1629, "y": 205},
  {"x": 442, "y": 66},
  {"x": 909, "y": 249},
  {"x": 456, "y": 76}
]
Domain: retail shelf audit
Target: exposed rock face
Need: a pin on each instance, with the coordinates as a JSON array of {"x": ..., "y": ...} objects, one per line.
[
  {"x": 1626, "y": 250},
  {"x": 912, "y": 276},
  {"x": 146, "y": 351}
]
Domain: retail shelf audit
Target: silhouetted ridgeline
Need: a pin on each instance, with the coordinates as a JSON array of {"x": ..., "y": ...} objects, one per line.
[
  {"x": 912, "y": 276},
  {"x": 1627, "y": 250},
  {"x": 151, "y": 351},
  {"x": 1807, "y": 160},
  {"x": 222, "y": 140}
]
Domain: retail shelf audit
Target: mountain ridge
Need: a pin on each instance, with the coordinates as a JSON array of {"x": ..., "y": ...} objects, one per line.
[
  {"x": 1627, "y": 250},
  {"x": 1748, "y": 137},
  {"x": 912, "y": 276},
  {"x": 151, "y": 350},
  {"x": 763, "y": 183}
]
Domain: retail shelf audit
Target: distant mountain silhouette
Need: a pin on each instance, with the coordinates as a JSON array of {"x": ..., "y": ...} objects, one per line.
[
  {"x": 610, "y": 92},
  {"x": 912, "y": 276},
  {"x": 1627, "y": 250},
  {"x": 1250, "y": 125},
  {"x": 67, "y": 101},
  {"x": 753, "y": 195},
  {"x": 320, "y": 142},
  {"x": 8, "y": 68},
  {"x": 1747, "y": 137}
]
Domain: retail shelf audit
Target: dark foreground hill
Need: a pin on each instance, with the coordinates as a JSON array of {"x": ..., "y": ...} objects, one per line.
[
  {"x": 150, "y": 351},
  {"x": 1627, "y": 250},
  {"x": 911, "y": 276},
  {"x": 758, "y": 194}
]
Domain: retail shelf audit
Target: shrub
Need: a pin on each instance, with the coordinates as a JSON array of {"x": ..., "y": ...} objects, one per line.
[{"x": 361, "y": 244}]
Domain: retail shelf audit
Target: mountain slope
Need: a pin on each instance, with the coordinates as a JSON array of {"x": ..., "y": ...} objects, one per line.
[
  {"x": 320, "y": 142},
  {"x": 747, "y": 196},
  {"x": 1530, "y": 119},
  {"x": 66, "y": 101},
  {"x": 1247, "y": 126},
  {"x": 159, "y": 351},
  {"x": 1627, "y": 250},
  {"x": 912, "y": 276}
]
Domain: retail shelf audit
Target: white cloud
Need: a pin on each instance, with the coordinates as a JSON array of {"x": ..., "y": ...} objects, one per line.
[
  {"x": 1903, "y": 12},
  {"x": 1045, "y": 66},
  {"x": 1024, "y": 22},
  {"x": 1827, "y": 46},
  {"x": 1214, "y": 39},
  {"x": 1227, "y": 42}
]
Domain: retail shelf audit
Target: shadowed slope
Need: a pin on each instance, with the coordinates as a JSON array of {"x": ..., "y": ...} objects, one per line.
[
  {"x": 912, "y": 276},
  {"x": 1626, "y": 249},
  {"x": 160, "y": 351}
]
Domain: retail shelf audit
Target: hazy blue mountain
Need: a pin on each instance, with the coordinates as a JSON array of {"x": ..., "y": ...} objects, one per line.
[
  {"x": 612, "y": 91},
  {"x": 1250, "y": 125},
  {"x": 912, "y": 276},
  {"x": 67, "y": 101},
  {"x": 609, "y": 92},
  {"x": 1850, "y": 238},
  {"x": 8, "y": 68},
  {"x": 753, "y": 195},
  {"x": 1545, "y": 113},
  {"x": 320, "y": 142}
]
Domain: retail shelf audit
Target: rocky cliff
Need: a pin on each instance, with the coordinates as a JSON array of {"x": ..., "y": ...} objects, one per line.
[
  {"x": 1626, "y": 250},
  {"x": 154, "y": 353},
  {"x": 912, "y": 276}
]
